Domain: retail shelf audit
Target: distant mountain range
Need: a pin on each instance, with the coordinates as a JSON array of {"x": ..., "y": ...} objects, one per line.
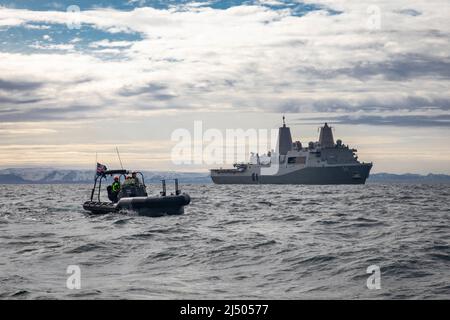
[
  {"x": 58, "y": 176},
  {"x": 409, "y": 178}
]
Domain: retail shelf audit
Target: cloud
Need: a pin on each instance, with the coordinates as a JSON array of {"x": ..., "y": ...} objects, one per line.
[
  {"x": 153, "y": 90},
  {"x": 410, "y": 12},
  {"x": 15, "y": 85},
  {"x": 46, "y": 114},
  {"x": 242, "y": 58},
  {"x": 399, "y": 120},
  {"x": 8, "y": 100},
  {"x": 389, "y": 102},
  {"x": 395, "y": 68},
  {"x": 36, "y": 26},
  {"x": 63, "y": 47},
  {"x": 402, "y": 67},
  {"x": 105, "y": 43}
]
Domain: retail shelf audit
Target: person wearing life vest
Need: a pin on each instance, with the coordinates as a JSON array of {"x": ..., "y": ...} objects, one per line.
[
  {"x": 115, "y": 188},
  {"x": 116, "y": 185}
]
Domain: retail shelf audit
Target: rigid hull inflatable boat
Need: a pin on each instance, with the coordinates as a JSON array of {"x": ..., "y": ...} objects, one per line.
[{"x": 134, "y": 197}]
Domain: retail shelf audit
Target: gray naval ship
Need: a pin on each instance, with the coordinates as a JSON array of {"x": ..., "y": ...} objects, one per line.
[{"x": 322, "y": 162}]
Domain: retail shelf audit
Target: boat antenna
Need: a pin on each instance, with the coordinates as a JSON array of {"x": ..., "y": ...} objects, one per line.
[{"x": 118, "y": 155}]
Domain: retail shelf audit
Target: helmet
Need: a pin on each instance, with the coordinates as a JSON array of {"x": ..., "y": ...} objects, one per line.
[{"x": 116, "y": 178}]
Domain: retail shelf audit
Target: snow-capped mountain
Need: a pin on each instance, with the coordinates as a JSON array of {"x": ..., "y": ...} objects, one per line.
[{"x": 47, "y": 175}]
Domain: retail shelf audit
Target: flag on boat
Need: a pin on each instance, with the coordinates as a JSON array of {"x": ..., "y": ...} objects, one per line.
[{"x": 101, "y": 168}]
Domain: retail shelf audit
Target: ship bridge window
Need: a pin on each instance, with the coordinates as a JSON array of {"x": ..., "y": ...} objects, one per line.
[{"x": 299, "y": 160}]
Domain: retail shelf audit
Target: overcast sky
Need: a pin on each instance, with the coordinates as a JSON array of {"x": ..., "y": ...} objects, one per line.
[{"x": 128, "y": 73}]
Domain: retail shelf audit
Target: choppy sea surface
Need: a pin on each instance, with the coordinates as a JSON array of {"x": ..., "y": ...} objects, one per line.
[{"x": 233, "y": 242}]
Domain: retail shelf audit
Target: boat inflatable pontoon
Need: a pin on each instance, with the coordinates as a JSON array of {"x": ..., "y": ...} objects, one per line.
[{"x": 134, "y": 198}]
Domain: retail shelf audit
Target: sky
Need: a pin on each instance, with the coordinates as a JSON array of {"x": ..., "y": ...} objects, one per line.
[{"x": 80, "y": 78}]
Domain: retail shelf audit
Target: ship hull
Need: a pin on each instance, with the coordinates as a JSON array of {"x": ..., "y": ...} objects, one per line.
[{"x": 351, "y": 174}]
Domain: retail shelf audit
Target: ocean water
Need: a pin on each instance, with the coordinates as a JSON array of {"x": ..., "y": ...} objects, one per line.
[{"x": 233, "y": 242}]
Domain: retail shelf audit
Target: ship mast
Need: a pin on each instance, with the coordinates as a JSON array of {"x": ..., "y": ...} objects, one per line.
[
  {"x": 284, "y": 139},
  {"x": 326, "y": 139}
]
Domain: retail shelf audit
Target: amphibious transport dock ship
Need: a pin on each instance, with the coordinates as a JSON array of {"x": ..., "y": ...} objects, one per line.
[{"x": 322, "y": 162}]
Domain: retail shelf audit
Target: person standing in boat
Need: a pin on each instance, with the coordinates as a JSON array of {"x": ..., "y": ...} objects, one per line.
[
  {"x": 116, "y": 185},
  {"x": 135, "y": 179},
  {"x": 115, "y": 188},
  {"x": 132, "y": 181},
  {"x": 132, "y": 186}
]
